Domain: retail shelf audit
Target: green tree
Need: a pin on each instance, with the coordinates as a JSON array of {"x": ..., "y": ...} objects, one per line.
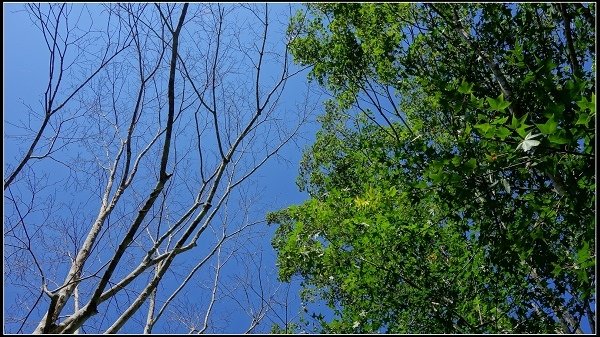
[{"x": 452, "y": 182}]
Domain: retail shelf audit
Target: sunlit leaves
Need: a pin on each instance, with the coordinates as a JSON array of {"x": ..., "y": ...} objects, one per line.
[
  {"x": 549, "y": 127},
  {"x": 485, "y": 128},
  {"x": 502, "y": 132},
  {"x": 584, "y": 259},
  {"x": 498, "y": 104},
  {"x": 583, "y": 119}
]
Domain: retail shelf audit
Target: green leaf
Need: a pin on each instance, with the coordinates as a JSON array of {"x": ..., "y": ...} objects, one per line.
[
  {"x": 538, "y": 233},
  {"x": 583, "y": 103},
  {"x": 485, "y": 127},
  {"x": 584, "y": 260},
  {"x": 588, "y": 263},
  {"x": 436, "y": 177},
  {"x": 421, "y": 184},
  {"x": 557, "y": 269},
  {"x": 583, "y": 253},
  {"x": 477, "y": 102},
  {"x": 529, "y": 77},
  {"x": 500, "y": 120},
  {"x": 503, "y": 132},
  {"x": 556, "y": 138},
  {"x": 471, "y": 164},
  {"x": 583, "y": 119},
  {"x": 518, "y": 51},
  {"x": 522, "y": 127},
  {"x": 523, "y": 118},
  {"x": 498, "y": 104},
  {"x": 554, "y": 110},
  {"x": 549, "y": 127},
  {"x": 465, "y": 88},
  {"x": 522, "y": 130},
  {"x": 514, "y": 122}
]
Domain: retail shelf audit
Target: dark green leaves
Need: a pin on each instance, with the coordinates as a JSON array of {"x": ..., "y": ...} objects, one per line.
[{"x": 471, "y": 164}]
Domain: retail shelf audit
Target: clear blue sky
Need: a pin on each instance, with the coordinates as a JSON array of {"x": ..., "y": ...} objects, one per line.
[{"x": 25, "y": 77}]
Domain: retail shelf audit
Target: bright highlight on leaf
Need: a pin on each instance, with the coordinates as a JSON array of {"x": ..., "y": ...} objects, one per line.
[
  {"x": 359, "y": 202},
  {"x": 506, "y": 185},
  {"x": 529, "y": 142}
]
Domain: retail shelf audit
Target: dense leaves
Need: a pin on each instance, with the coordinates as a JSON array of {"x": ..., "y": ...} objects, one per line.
[{"x": 452, "y": 183}]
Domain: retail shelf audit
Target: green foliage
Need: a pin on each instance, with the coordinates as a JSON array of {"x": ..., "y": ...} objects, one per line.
[
  {"x": 291, "y": 328},
  {"x": 549, "y": 127},
  {"x": 465, "y": 87},
  {"x": 498, "y": 104},
  {"x": 471, "y": 209}
]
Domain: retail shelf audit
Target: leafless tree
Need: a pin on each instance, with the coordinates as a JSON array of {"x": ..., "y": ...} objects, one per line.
[{"x": 133, "y": 185}]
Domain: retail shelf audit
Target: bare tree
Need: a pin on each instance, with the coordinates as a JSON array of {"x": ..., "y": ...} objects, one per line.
[{"x": 146, "y": 191}]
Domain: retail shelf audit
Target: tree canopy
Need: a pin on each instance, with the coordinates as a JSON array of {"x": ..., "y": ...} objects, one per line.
[{"x": 452, "y": 183}]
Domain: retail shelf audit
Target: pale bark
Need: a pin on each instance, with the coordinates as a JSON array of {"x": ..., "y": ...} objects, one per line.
[{"x": 151, "y": 208}]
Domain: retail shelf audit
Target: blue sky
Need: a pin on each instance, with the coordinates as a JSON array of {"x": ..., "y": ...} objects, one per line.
[{"x": 25, "y": 77}]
